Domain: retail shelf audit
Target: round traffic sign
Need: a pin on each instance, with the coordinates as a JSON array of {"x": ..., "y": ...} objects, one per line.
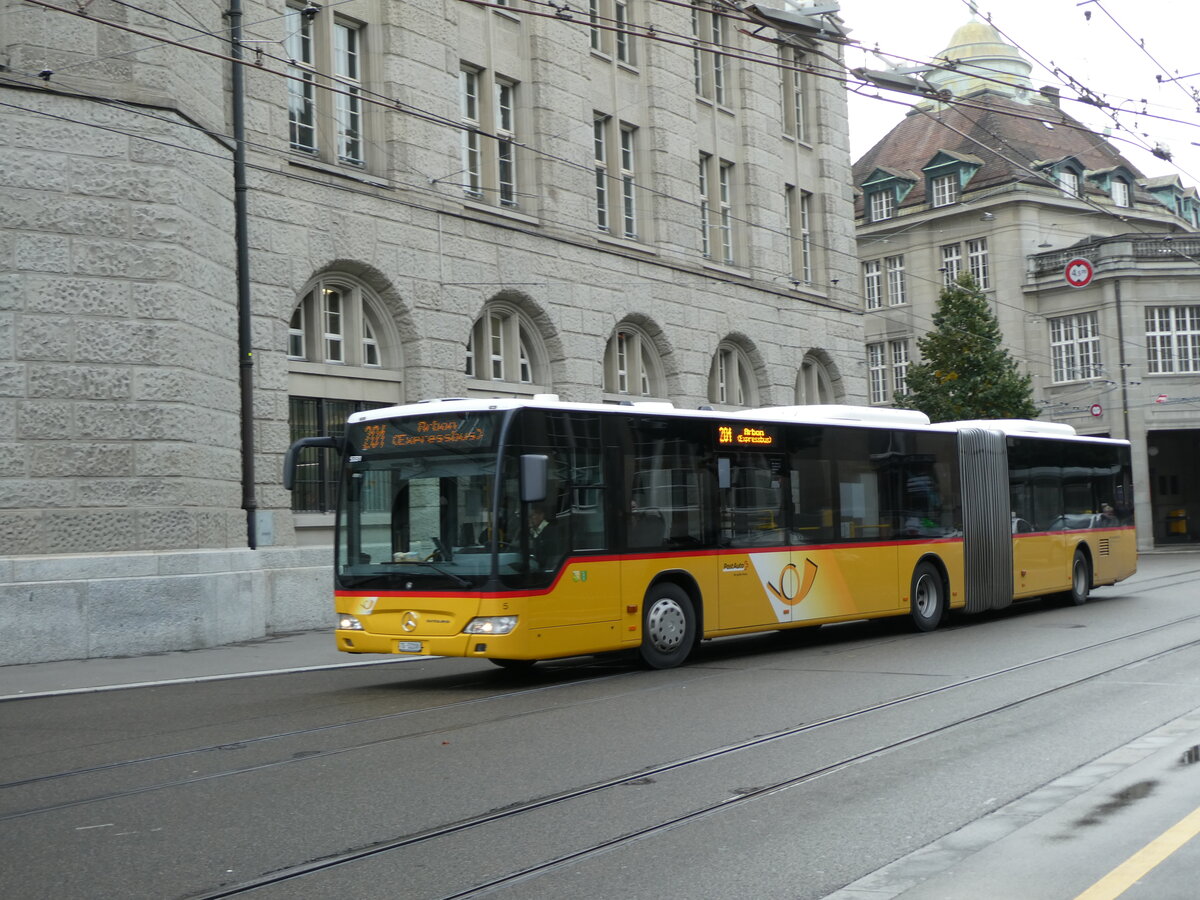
[
  {"x": 1097, "y": 409},
  {"x": 1079, "y": 272}
]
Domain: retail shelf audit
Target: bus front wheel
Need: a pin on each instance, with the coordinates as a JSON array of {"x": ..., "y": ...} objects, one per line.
[
  {"x": 928, "y": 597},
  {"x": 668, "y": 626}
]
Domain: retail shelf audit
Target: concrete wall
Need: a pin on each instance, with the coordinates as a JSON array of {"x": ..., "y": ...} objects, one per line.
[{"x": 79, "y": 607}]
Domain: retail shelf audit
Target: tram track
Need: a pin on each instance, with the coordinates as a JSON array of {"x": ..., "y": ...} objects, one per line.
[
  {"x": 242, "y": 743},
  {"x": 562, "y": 798}
]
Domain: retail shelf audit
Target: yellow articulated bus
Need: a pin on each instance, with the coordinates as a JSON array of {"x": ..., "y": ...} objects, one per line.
[{"x": 518, "y": 530}]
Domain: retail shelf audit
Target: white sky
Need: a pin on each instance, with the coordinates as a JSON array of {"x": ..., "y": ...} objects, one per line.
[{"x": 1054, "y": 33}]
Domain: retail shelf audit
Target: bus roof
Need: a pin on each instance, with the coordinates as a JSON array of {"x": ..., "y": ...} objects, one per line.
[{"x": 816, "y": 414}]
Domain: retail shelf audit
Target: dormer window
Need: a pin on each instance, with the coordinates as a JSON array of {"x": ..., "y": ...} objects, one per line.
[
  {"x": 883, "y": 205},
  {"x": 945, "y": 176},
  {"x": 944, "y": 189},
  {"x": 1068, "y": 182},
  {"x": 1120, "y": 192}
]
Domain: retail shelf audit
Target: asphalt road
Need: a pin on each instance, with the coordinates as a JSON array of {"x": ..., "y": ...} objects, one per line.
[{"x": 785, "y": 765}]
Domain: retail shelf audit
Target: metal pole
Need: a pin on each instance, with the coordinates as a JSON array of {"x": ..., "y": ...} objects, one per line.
[
  {"x": 245, "y": 345},
  {"x": 1121, "y": 359}
]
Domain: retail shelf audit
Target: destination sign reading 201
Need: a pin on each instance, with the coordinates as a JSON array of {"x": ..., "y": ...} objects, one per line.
[
  {"x": 747, "y": 436},
  {"x": 430, "y": 432}
]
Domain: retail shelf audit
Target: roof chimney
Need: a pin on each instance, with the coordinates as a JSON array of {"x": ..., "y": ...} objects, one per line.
[{"x": 1050, "y": 93}]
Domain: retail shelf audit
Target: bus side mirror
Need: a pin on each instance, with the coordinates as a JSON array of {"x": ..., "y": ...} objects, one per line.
[
  {"x": 293, "y": 455},
  {"x": 535, "y": 468}
]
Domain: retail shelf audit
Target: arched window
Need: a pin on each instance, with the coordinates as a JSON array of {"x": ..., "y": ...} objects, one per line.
[
  {"x": 814, "y": 383},
  {"x": 504, "y": 346},
  {"x": 631, "y": 364},
  {"x": 334, "y": 325},
  {"x": 731, "y": 380},
  {"x": 343, "y": 356}
]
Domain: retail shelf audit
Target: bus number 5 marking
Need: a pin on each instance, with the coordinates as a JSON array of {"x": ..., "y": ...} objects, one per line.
[{"x": 792, "y": 588}]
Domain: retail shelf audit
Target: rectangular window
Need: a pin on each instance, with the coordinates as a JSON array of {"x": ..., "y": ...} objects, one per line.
[
  {"x": 490, "y": 159},
  {"x": 708, "y": 64},
  {"x": 622, "y": 363},
  {"x": 806, "y": 235},
  {"x": 1075, "y": 347},
  {"x": 705, "y": 207},
  {"x": 1068, "y": 182},
  {"x": 506, "y": 161},
  {"x": 610, "y": 28},
  {"x": 896, "y": 286},
  {"x": 1173, "y": 340},
  {"x": 622, "y": 36},
  {"x": 871, "y": 284},
  {"x": 717, "y": 35},
  {"x": 951, "y": 263},
  {"x": 877, "y": 372},
  {"x": 977, "y": 263},
  {"x": 795, "y": 84},
  {"x": 468, "y": 96},
  {"x": 331, "y": 317},
  {"x": 945, "y": 189},
  {"x": 496, "y": 339},
  {"x": 600, "y": 162},
  {"x": 326, "y": 84},
  {"x": 800, "y": 225},
  {"x": 883, "y": 205},
  {"x": 348, "y": 102},
  {"x": 725, "y": 222},
  {"x": 597, "y": 36},
  {"x": 899, "y": 352},
  {"x": 1120, "y": 192},
  {"x": 302, "y": 103},
  {"x": 628, "y": 182}
]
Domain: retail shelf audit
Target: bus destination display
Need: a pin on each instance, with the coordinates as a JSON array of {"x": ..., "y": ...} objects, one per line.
[
  {"x": 745, "y": 436},
  {"x": 428, "y": 431}
]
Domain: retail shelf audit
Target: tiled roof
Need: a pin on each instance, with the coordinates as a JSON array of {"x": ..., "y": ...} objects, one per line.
[{"x": 1007, "y": 136}]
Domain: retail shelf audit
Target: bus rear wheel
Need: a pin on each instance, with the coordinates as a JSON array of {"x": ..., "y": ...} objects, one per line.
[
  {"x": 668, "y": 626},
  {"x": 928, "y": 597},
  {"x": 1081, "y": 580}
]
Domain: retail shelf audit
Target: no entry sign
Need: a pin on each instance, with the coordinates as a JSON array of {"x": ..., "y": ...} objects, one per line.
[{"x": 1079, "y": 272}]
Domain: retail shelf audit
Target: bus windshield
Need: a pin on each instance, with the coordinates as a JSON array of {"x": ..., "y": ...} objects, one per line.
[{"x": 416, "y": 503}]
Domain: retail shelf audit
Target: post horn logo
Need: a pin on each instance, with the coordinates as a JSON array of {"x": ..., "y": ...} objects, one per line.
[{"x": 792, "y": 587}]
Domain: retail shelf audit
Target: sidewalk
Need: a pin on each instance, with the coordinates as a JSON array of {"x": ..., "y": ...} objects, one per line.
[{"x": 279, "y": 653}]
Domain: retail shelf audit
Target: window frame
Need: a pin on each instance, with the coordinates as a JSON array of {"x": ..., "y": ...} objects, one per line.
[
  {"x": 327, "y": 119},
  {"x": 491, "y": 160},
  {"x": 1173, "y": 350},
  {"x": 1074, "y": 347},
  {"x": 944, "y": 189},
  {"x": 504, "y": 342},
  {"x": 881, "y": 205}
]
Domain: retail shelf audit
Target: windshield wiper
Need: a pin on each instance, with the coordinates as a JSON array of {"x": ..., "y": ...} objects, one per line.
[{"x": 457, "y": 579}]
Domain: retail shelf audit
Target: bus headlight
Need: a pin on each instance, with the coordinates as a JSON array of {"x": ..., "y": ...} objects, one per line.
[
  {"x": 491, "y": 625},
  {"x": 349, "y": 623}
]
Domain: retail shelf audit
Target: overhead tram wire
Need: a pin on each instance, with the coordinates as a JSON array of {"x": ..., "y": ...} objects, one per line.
[
  {"x": 1090, "y": 97},
  {"x": 1141, "y": 45}
]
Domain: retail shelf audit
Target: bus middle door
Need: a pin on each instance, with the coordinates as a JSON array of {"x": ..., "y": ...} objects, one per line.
[{"x": 755, "y": 570}]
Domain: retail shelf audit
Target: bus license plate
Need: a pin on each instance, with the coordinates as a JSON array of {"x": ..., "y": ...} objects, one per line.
[{"x": 409, "y": 646}]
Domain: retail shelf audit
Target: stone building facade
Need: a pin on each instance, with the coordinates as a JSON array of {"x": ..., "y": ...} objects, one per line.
[
  {"x": 443, "y": 199},
  {"x": 1002, "y": 182}
]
